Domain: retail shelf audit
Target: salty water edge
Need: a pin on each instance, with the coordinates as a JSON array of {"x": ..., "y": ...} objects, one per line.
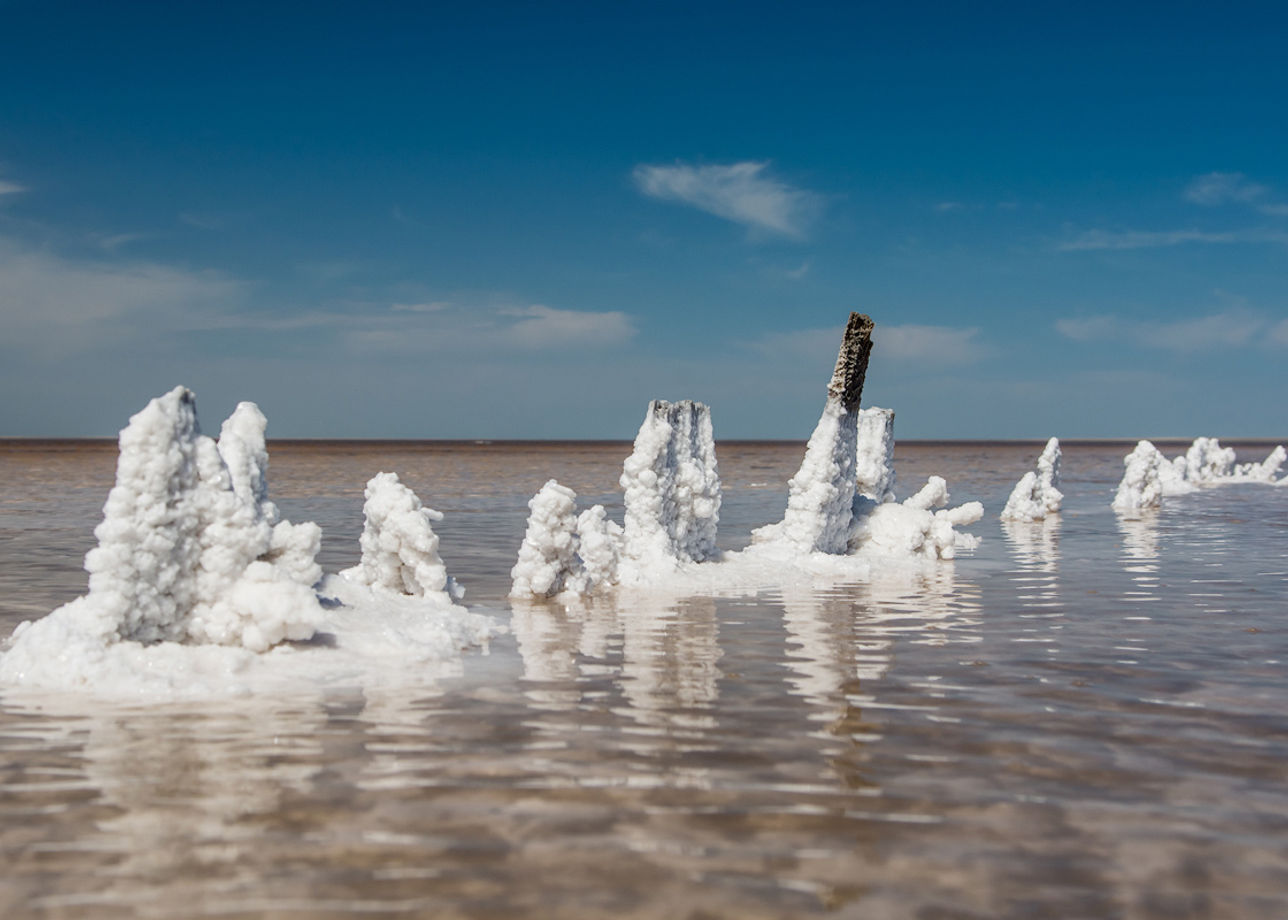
[{"x": 1081, "y": 719}]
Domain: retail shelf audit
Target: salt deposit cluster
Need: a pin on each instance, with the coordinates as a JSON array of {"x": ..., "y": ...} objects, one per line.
[
  {"x": 841, "y": 503},
  {"x": 1149, "y": 476},
  {"x": 196, "y": 577}
]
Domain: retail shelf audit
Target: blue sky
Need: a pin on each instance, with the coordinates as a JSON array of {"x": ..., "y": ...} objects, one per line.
[{"x": 525, "y": 220}]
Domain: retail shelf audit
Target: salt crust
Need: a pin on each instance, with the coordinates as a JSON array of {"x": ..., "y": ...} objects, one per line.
[
  {"x": 1037, "y": 494},
  {"x": 841, "y": 513},
  {"x": 196, "y": 584},
  {"x": 1149, "y": 476}
]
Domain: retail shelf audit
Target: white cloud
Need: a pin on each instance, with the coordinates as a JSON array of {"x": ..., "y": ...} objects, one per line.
[
  {"x": 54, "y": 304},
  {"x": 936, "y": 345},
  {"x": 1236, "y": 328},
  {"x": 442, "y": 327},
  {"x": 1144, "y": 239},
  {"x": 10, "y": 188},
  {"x": 432, "y": 306},
  {"x": 1216, "y": 188},
  {"x": 539, "y": 326},
  {"x": 946, "y": 206},
  {"x": 739, "y": 192},
  {"x": 1219, "y": 188},
  {"x": 1278, "y": 333}
]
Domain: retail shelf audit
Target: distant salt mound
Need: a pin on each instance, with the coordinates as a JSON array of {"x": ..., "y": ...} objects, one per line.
[
  {"x": 196, "y": 585},
  {"x": 1207, "y": 463},
  {"x": 1141, "y": 488},
  {"x": 1149, "y": 476},
  {"x": 1037, "y": 494}
]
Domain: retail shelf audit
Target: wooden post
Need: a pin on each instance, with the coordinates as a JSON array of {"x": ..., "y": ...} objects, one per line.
[{"x": 852, "y": 362}]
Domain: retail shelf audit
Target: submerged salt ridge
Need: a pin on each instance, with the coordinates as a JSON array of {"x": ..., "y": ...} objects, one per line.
[
  {"x": 196, "y": 584},
  {"x": 1149, "y": 476}
]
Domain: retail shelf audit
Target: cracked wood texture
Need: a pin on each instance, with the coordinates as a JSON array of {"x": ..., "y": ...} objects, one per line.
[{"x": 852, "y": 362}]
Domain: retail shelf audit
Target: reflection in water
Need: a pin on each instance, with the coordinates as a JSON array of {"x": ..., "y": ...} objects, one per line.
[
  {"x": 1140, "y": 555},
  {"x": 179, "y": 793},
  {"x": 1035, "y": 546},
  {"x": 669, "y": 649},
  {"x": 838, "y": 642}
]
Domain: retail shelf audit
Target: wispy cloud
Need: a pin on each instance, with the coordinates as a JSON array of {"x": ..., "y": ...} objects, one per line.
[
  {"x": 1145, "y": 239},
  {"x": 432, "y": 306},
  {"x": 933, "y": 344},
  {"x": 1235, "y": 328},
  {"x": 10, "y": 188},
  {"x": 56, "y": 304},
  {"x": 739, "y": 192},
  {"x": 1278, "y": 333},
  {"x": 945, "y": 206},
  {"x": 1221, "y": 188},
  {"x": 540, "y": 326}
]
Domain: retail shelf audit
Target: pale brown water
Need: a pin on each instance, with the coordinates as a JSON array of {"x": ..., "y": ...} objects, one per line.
[{"x": 1085, "y": 719}]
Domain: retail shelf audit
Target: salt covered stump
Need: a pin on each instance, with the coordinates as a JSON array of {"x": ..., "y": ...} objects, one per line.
[
  {"x": 820, "y": 501},
  {"x": 672, "y": 485}
]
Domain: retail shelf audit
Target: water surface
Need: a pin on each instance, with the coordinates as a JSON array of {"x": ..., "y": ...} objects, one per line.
[{"x": 1083, "y": 718}]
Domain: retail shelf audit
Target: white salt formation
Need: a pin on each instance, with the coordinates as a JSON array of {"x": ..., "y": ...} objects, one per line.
[
  {"x": 399, "y": 547},
  {"x": 920, "y": 526},
  {"x": 1150, "y": 475},
  {"x": 672, "y": 501},
  {"x": 841, "y": 500},
  {"x": 1267, "y": 469},
  {"x": 599, "y": 547},
  {"x": 1037, "y": 494},
  {"x": 672, "y": 486},
  {"x": 820, "y": 499},
  {"x": 1208, "y": 463},
  {"x": 1141, "y": 488},
  {"x": 190, "y": 548},
  {"x": 874, "y": 455},
  {"x": 196, "y": 584},
  {"x": 548, "y": 559}
]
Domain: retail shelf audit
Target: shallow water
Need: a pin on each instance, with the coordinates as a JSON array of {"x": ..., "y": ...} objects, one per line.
[{"x": 1080, "y": 719}]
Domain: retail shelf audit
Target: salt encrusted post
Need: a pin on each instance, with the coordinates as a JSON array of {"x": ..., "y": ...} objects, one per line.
[
  {"x": 852, "y": 362},
  {"x": 820, "y": 497}
]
